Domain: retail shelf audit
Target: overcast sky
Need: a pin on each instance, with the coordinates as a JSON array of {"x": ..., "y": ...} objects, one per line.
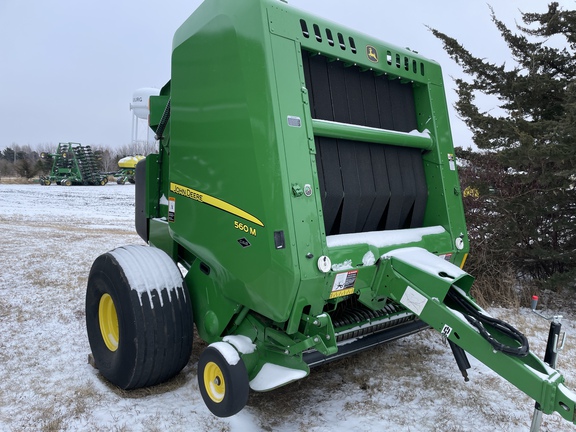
[{"x": 68, "y": 68}]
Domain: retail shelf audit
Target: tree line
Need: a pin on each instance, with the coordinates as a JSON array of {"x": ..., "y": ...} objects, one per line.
[
  {"x": 27, "y": 161},
  {"x": 519, "y": 187}
]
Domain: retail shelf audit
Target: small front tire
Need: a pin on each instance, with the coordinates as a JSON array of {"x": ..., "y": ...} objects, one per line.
[{"x": 224, "y": 386}]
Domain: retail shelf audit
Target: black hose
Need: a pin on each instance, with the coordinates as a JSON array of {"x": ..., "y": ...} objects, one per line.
[
  {"x": 163, "y": 121},
  {"x": 478, "y": 319}
]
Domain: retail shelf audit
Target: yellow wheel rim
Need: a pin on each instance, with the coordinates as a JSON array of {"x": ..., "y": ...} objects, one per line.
[
  {"x": 108, "y": 322},
  {"x": 214, "y": 382}
]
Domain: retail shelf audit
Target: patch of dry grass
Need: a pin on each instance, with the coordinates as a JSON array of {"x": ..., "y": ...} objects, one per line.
[{"x": 17, "y": 180}]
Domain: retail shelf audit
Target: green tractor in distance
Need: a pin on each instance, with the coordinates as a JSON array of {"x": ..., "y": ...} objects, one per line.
[
  {"x": 303, "y": 205},
  {"x": 73, "y": 164}
]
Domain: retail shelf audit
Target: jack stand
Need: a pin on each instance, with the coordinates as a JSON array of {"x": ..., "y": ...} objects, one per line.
[
  {"x": 553, "y": 346},
  {"x": 461, "y": 359}
]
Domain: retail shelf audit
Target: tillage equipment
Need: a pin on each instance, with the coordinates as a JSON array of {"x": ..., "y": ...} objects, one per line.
[{"x": 73, "y": 164}]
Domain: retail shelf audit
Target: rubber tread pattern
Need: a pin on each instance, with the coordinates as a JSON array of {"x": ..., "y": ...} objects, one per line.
[{"x": 156, "y": 327}]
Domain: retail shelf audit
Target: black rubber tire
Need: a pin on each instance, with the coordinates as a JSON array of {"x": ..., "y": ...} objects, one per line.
[
  {"x": 155, "y": 328},
  {"x": 235, "y": 378}
]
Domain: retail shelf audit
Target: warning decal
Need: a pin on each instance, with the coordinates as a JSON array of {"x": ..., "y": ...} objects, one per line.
[
  {"x": 413, "y": 300},
  {"x": 344, "y": 284},
  {"x": 171, "y": 209}
]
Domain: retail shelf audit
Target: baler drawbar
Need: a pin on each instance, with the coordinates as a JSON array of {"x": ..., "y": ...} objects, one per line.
[{"x": 303, "y": 205}]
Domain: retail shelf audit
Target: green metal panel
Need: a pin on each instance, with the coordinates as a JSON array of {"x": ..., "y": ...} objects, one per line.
[
  {"x": 222, "y": 108},
  {"x": 242, "y": 157}
]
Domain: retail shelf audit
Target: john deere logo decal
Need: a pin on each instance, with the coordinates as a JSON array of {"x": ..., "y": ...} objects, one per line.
[{"x": 371, "y": 53}]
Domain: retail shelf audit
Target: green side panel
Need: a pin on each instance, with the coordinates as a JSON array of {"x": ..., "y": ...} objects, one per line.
[
  {"x": 242, "y": 155},
  {"x": 212, "y": 311},
  {"x": 226, "y": 159},
  {"x": 152, "y": 190},
  {"x": 160, "y": 238}
]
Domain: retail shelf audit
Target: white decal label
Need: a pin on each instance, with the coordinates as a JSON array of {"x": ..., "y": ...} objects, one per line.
[
  {"x": 413, "y": 300},
  {"x": 344, "y": 284},
  {"x": 452, "y": 162},
  {"x": 171, "y": 209}
]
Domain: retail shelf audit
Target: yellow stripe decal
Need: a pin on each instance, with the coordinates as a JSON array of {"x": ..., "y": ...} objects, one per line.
[
  {"x": 463, "y": 261},
  {"x": 214, "y": 202}
]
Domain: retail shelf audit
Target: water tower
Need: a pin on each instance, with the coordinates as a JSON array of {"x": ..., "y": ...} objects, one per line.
[{"x": 140, "y": 109}]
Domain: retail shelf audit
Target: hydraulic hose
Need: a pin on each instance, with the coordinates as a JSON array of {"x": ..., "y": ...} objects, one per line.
[{"x": 478, "y": 319}]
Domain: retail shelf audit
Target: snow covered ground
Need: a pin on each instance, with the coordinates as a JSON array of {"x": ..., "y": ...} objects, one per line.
[{"x": 50, "y": 237}]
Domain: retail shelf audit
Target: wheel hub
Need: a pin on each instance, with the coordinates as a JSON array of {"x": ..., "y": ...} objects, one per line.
[
  {"x": 108, "y": 322},
  {"x": 214, "y": 382}
]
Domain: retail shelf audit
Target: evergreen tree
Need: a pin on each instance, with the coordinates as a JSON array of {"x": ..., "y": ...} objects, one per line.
[
  {"x": 26, "y": 168},
  {"x": 528, "y": 200},
  {"x": 9, "y": 155}
]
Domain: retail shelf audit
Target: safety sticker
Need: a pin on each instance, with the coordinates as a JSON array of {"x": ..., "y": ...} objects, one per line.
[
  {"x": 344, "y": 284},
  {"x": 413, "y": 300},
  {"x": 446, "y": 331},
  {"x": 171, "y": 209},
  {"x": 447, "y": 257},
  {"x": 451, "y": 162}
]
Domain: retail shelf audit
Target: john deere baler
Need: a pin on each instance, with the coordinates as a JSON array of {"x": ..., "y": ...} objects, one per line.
[{"x": 305, "y": 183}]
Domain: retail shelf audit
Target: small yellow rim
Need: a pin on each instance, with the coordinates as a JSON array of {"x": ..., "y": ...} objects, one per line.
[
  {"x": 214, "y": 382},
  {"x": 108, "y": 322}
]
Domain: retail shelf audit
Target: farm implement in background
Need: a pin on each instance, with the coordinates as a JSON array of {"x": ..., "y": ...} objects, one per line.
[
  {"x": 306, "y": 184},
  {"x": 73, "y": 164},
  {"x": 127, "y": 169}
]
